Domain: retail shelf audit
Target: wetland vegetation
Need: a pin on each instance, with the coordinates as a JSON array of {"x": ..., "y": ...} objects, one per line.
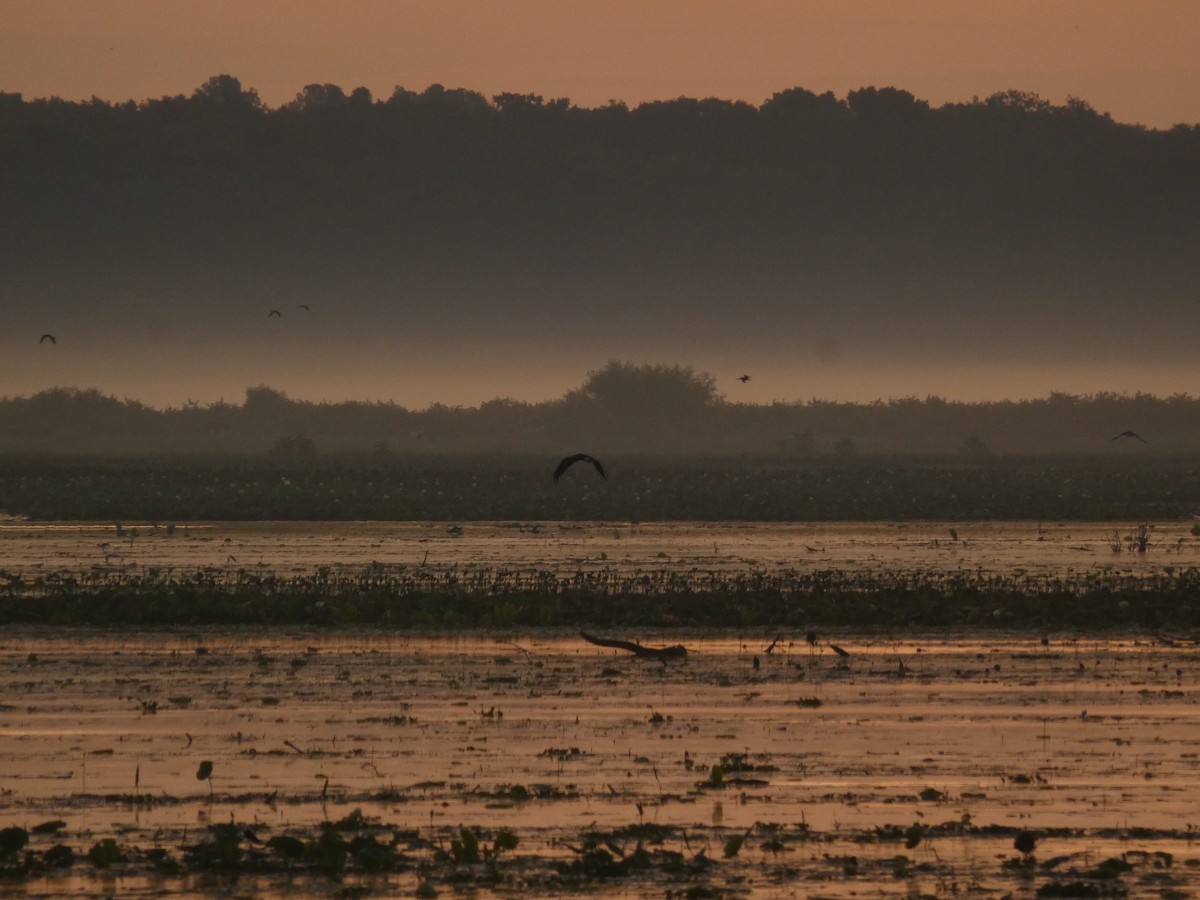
[
  {"x": 429, "y": 722},
  {"x": 207, "y": 693},
  {"x": 662, "y": 411},
  {"x": 363, "y": 709},
  {"x": 1026, "y": 576},
  {"x": 417, "y": 597},
  {"x": 353, "y": 764},
  {"x": 457, "y": 487}
]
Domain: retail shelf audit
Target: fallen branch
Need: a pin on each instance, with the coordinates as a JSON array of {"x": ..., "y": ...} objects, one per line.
[{"x": 677, "y": 651}]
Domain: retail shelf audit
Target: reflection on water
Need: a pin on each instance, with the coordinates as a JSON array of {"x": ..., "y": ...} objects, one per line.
[
  {"x": 1090, "y": 743},
  {"x": 824, "y": 759},
  {"x": 1055, "y": 549}
]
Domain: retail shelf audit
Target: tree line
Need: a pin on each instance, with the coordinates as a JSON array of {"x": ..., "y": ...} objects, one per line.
[
  {"x": 874, "y": 222},
  {"x": 621, "y": 408},
  {"x": 451, "y": 170}
]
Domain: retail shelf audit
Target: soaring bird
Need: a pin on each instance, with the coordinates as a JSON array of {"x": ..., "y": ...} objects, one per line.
[
  {"x": 303, "y": 306},
  {"x": 578, "y": 457},
  {"x": 274, "y": 312},
  {"x": 47, "y": 337},
  {"x": 743, "y": 378},
  {"x": 1130, "y": 434}
]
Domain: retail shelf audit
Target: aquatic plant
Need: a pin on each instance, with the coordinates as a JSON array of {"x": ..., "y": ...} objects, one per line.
[
  {"x": 459, "y": 489},
  {"x": 12, "y": 840},
  {"x": 407, "y": 597},
  {"x": 106, "y": 853},
  {"x": 465, "y": 848}
]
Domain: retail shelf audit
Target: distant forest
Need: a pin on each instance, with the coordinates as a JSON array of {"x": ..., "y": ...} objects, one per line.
[
  {"x": 451, "y": 169},
  {"x": 440, "y": 222},
  {"x": 621, "y": 409},
  {"x": 800, "y": 214}
]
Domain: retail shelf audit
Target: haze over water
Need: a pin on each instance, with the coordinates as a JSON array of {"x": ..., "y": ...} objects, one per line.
[{"x": 901, "y": 235}]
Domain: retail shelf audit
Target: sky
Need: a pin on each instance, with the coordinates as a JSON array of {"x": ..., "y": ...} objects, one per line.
[{"x": 1135, "y": 60}]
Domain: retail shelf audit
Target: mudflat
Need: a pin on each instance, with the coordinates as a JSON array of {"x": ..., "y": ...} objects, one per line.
[
  {"x": 361, "y": 763},
  {"x": 725, "y": 548}
]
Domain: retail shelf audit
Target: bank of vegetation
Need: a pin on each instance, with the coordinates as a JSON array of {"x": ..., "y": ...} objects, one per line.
[
  {"x": 787, "y": 601},
  {"x": 449, "y": 168},
  {"x": 166, "y": 490},
  {"x": 870, "y": 226},
  {"x": 622, "y": 409}
]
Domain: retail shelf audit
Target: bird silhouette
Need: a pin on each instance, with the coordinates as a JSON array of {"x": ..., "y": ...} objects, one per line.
[
  {"x": 1130, "y": 434},
  {"x": 303, "y": 306},
  {"x": 743, "y": 378},
  {"x": 47, "y": 337},
  {"x": 569, "y": 461},
  {"x": 274, "y": 312}
]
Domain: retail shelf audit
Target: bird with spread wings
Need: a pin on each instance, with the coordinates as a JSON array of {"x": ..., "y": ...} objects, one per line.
[
  {"x": 569, "y": 461},
  {"x": 1130, "y": 434}
]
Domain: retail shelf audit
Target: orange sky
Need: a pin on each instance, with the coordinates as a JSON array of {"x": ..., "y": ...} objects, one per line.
[{"x": 1135, "y": 59}]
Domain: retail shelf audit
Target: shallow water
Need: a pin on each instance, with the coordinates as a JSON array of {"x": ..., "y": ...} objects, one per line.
[
  {"x": 1094, "y": 745},
  {"x": 291, "y": 547}
]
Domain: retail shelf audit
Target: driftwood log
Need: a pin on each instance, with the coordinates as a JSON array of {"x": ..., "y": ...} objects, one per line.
[{"x": 677, "y": 651}]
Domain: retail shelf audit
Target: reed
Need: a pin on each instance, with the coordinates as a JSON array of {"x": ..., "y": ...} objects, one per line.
[{"x": 406, "y": 597}]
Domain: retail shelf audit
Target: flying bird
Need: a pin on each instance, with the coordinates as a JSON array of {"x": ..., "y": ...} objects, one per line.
[
  {"x": 1130, "y": 434},
  {"x": 743, "y": 378},
  {"x": 578, "y": 457},
  {"x": 274, "y": 312},
  {"x": 303, "y": 306},
  {"x": 47, "y": 337}
]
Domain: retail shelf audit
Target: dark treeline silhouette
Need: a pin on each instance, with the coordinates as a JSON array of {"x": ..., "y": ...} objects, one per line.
[
  {"x": 223, "y": 165},
  {"x": 414, "y": 162},
  {"x": 983, "y": 211},
  {"x": 621, "y": 408}
]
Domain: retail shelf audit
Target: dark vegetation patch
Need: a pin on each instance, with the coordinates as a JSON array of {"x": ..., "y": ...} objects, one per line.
[
  {"x": 405, "y": 597},
  {"x": 460, "y": 488},
  {"x": 898, "y": 210},
  {"x": 639, "y": 855}
]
